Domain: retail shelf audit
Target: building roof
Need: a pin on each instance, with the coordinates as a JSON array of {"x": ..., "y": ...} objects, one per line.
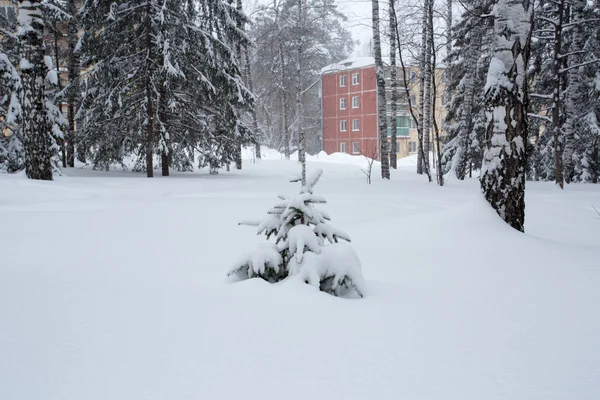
[
  {"x": 360, "y": 62},
  {"x": 348, "y": 64}
]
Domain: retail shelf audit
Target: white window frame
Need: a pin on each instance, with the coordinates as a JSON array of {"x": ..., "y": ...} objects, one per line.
[
  {"x": 354, "y": 151},
  {"x": 355, "y": 125},
  {"x": 355, "y": 80},
  {"x": 342, "y": 80},
  {"x": 343, "y": 147},
  {"x": 342, "y": 103},
  {"x": 357, "y": 102},
  {"x": 343, "y": 125}
]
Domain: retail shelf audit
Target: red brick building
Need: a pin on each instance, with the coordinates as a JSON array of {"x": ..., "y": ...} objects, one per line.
[{"x": 350, "y": 111}]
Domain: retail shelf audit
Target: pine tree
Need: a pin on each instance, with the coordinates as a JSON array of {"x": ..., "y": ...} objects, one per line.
[
  {"x": 503, "y": 173},
  {"x": 306, "y": 247}
]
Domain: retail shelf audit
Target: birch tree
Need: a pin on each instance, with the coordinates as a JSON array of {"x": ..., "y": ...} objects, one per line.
[
  {"x": 383, "y": 140},
  {"x": 503, "y": 172},
  {"x": 393, "y": 85}
]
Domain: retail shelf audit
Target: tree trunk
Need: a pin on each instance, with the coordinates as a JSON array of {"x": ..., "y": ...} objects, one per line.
[
  {"x": 36, "y": 126},
  {"x": 462, "y": 153},
  {"x": 422, "y": 67},
  {"x": 248, "y": 73},
  {"x": 503, "y": 171},
  {"x": 238, "y": 51},
  {"x": 595, "y": 160},
  {"x": 394, "y": 87},
  {"x": 165, "y": 146},
  {"x": 299, "y": 105},
  {"x": 574, "y": 89},
  {"x": 556, "y": 94},
  {"x": 63, "y": 150},
  {"x": 384, "y": 153},
  {"x": 73, "y": 74},
  {"x": 284, "y": 105},
  {"x": 437, "y": 147},
  {"x": 149, "y": 139},
  {"x": 428, "y": 74}
]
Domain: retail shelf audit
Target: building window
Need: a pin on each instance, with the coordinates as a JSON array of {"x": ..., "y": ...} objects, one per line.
[
  {"x": 342, "y": 80},
  {"x": 355, "y": 79},
  {"x": 354, "y": 101},
  {"x": 398, "y": 146},
  {"x": 413, "y": 100},
  {"x": 355, "y": 125},
  {"x": 343, "y": 147},
  {"x": 356, "y": 148},
  {"x": 412, "y": 147},
  {"x": 343, "y": 103},
  {"x": 343, "y": 125},
  {"x": 413, "y": 76}
]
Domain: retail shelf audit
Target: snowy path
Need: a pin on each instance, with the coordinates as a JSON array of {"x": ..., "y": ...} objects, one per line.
[{"x": 112, "y": 286}]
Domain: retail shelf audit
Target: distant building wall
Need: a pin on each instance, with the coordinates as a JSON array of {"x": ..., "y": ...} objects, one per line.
[{"x": 360, "y": 135}]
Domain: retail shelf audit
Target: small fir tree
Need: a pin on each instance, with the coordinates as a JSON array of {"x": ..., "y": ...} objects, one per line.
[{"x": 304, "y": 245}]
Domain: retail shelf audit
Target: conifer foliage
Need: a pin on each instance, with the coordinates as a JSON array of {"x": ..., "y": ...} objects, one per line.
[
  {"x": 303, "y": 246},
  {"x": 165, "y": 81}
]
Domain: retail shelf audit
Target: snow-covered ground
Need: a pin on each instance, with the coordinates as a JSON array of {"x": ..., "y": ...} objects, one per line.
[{"x": 112, "y": 286}]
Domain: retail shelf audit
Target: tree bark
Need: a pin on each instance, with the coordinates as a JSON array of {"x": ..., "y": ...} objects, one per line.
[
  {"x": 503, "y": 172},
  {"x": 422, "y": 66},
  {"x": 149, "y": 139},
  {"x": 394, "y": 86},
  {"x": 428, "y": 74},
  {"x": 556, "y": 95},
  {"x": 63, "y": 149},
  {"x": 384, "y": 153},
  {"x": 574, "y": 89},
  {"x": 248, "y": 73},
  {"x": 36, "y": 127},
  {"x": 73, "y": 74},
  {"x": 284, "y": 105},
  {"x": 299, "y": 105},
  {"x": 437, "y": 141}
]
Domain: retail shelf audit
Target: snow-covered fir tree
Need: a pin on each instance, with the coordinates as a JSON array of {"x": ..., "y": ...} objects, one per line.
[
  {"x": 465, "y": 120},
  {"x": 303, "y": 245},
  {"x": 164, "y": 82},
  {"x": 504, "y": 165},
  {"x": 12, "y": 154}
]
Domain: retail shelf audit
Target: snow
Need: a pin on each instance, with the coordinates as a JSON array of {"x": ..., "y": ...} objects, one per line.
[
  {"x": 112, "y": 286},
  {"x": 348, "y": 64},
  {"x": 25, "y": 64}
]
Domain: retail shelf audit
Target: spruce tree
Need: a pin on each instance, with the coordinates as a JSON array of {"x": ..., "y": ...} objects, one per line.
[
  {"x": 465, "y": 117},
  {"x": 305, "y": 246},
  {"x": 165, "y": 82}
]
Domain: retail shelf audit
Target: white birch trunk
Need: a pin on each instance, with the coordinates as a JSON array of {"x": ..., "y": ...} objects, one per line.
[
  {"x": 503, "y": 172},
  {"x": 384, "y": 153}
]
